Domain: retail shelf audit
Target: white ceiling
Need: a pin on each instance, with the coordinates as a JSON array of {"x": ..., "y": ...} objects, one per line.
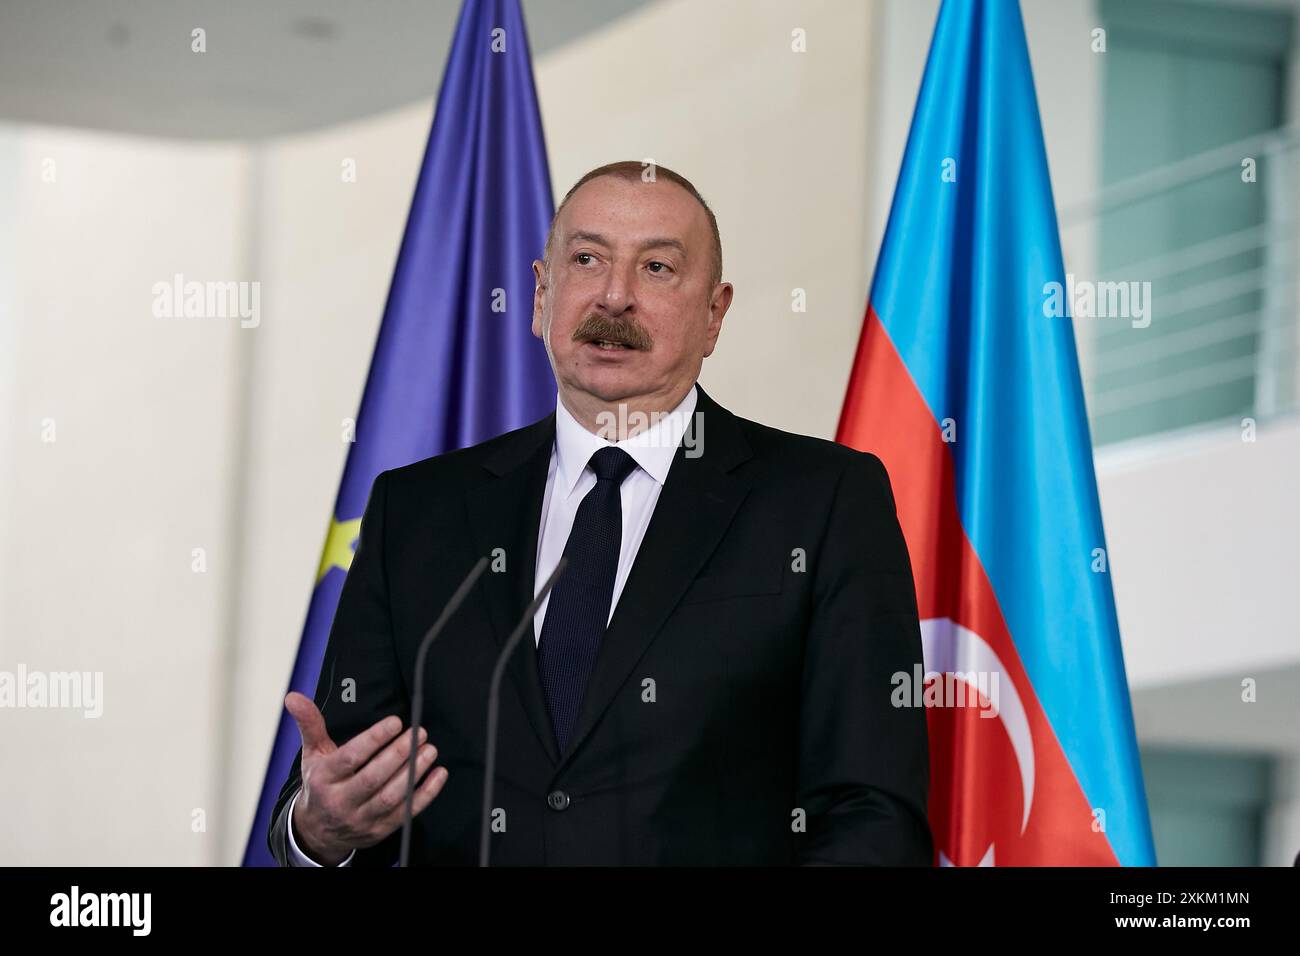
[{"x": 271, "y": 66}]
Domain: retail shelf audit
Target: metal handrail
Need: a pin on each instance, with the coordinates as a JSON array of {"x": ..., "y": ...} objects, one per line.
[{"x": 1153, "y": 182}]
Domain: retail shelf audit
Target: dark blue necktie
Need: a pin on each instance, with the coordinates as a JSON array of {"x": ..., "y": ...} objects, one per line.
[{"x": 578, "y": 609}]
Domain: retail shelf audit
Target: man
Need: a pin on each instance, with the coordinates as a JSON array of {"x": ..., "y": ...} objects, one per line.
[{"x": 709, "y": 682}]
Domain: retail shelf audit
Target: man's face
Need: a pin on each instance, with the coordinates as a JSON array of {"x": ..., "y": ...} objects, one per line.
[{"x": 628, "y": 312}]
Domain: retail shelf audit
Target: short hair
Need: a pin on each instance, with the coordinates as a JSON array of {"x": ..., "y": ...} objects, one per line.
[{"x": 631, "y": 170}]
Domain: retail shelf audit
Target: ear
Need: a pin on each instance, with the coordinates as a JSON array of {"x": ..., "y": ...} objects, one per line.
[
  {"x": 539, "y": 279},
  {"x": 718, "y": 306}
]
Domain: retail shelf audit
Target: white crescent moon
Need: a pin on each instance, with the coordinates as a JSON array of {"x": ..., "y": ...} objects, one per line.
[
  {"x": 950, "y": 648},
  {"x": 985, "y": 860}
]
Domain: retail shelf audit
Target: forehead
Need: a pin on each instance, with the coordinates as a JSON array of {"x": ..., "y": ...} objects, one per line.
[{"x": 626, "y": 209}]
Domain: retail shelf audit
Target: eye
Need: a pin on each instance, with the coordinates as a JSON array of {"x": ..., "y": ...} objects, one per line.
[
  {"x": 579, "y": 256},
  {"x": 656, "y": 262}
]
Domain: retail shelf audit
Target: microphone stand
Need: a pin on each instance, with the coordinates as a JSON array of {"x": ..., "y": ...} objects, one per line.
[
  {"x": 494, "y": 702},
  {"x": 417, "y": 697}
]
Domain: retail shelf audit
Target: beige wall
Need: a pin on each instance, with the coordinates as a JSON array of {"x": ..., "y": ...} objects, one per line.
[{"x": 101, "y": 522}]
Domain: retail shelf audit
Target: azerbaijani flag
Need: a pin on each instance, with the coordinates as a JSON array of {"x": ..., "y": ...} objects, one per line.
[
  {"x": 970, "y": 394},
  {"x": 456, "y": 362}
]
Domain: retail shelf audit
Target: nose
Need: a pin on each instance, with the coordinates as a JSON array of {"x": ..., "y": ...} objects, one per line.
[{"x": 616, "y": 297}]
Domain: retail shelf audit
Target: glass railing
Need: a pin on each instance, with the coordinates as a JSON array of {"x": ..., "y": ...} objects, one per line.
[{"x": 1183, "y": 284}]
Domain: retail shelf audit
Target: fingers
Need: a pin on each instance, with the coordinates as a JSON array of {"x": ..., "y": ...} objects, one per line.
[
  {"x": 353, "y": 755},
  {"x": 429, "y": 788},
  {"x": 311, "y": 725},
  {"x": 391, "y": 795},
  {"x": 425, "y": 792},
  {"x": 389, "y": 761},
  {"x": 348, "y": 820}
]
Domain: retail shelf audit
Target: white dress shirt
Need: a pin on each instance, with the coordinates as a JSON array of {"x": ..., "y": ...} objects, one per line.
[{"x": 568, "y": 479}]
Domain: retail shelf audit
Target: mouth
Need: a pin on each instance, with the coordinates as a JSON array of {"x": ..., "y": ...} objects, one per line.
[{"x": 610, "y": 345}]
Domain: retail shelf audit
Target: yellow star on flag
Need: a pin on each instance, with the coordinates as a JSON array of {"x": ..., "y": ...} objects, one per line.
[{"x": 339, "y": 546}]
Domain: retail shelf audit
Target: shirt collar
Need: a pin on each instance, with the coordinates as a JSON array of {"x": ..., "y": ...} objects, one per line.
[{"x": 652, "y": 449}]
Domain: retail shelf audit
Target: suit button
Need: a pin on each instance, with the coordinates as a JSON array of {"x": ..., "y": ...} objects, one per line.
[{"x": 557, "y": 800}]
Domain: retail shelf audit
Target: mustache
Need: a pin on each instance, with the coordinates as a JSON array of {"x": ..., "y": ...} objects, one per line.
[{"x": 627, "y": 332}]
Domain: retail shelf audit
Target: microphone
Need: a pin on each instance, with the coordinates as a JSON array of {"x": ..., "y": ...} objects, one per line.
[
  {"x": 494, "y": 702},
  {"x": 417, "y": 697}
]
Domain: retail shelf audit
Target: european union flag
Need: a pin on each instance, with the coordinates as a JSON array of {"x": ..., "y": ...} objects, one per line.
[{"x": 455, "y": 362}]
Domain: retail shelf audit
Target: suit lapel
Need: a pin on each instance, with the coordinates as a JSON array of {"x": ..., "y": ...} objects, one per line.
[
  {"x": 505, "y": 512},
  {"x": 695, "y": 507}
]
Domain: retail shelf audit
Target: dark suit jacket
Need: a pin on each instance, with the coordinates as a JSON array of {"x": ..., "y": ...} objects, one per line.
[{"x": 739, "y": 709}]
